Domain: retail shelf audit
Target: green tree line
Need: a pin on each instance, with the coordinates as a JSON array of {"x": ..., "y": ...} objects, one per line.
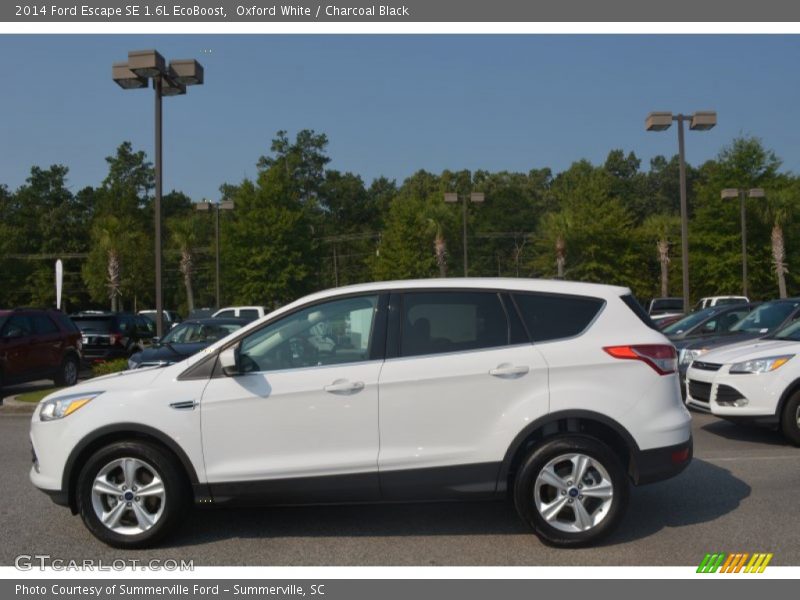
[{"x": 299, "y": 226}]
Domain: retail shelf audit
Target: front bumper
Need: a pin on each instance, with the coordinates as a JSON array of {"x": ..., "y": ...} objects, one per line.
[
  {"x": 658, "y": 464},
  {"x": 736, "y": 397}
]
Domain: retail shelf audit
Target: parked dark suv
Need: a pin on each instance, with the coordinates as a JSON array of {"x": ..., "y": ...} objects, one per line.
[
  {"x": 109, "y": 336},
  {"x": 38, "y": 344}
]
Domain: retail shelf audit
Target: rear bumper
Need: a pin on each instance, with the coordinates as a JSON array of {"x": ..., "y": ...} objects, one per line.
[
  {"x": 658, "y": 464},
  {"x": 94, "y": 355}
]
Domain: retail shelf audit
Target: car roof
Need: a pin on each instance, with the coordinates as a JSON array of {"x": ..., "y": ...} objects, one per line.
[{"x": 555, "y": 286}]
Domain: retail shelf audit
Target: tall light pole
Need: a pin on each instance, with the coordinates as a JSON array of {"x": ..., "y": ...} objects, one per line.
[
  {"x": 141, "y": 66},
  {"x": 699, "y": 121},
  {"x": 475, "y": 198},
  {"x": 216, "y": 207},
  {"x": 741, "y": 194}
]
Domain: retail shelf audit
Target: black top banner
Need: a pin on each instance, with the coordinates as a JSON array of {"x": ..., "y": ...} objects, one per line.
[{"x": 409, "y": 11}]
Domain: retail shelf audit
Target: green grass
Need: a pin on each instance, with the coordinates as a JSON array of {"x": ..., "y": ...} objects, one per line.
[{"x": 37, "y": 395}]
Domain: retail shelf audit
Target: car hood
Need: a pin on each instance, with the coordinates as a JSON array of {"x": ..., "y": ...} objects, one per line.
[
  {"x": 717, "y": 341},
  {"x": 750, "y": 350},
  {"x": 124, "y": 380}
]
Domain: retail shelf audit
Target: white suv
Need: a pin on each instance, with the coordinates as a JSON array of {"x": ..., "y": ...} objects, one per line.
[{"x": 554, "y": 393}]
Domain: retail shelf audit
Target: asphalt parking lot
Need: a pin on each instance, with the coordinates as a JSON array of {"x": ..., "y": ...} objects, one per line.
[{"x": 740, "y": 494}]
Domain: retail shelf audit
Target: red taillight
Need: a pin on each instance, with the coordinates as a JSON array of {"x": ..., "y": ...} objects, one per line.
[{"x": 663, "y": 358}]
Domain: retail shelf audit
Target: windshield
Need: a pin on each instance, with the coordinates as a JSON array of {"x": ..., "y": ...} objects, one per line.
[
  {"x": 765, "y": 318},
  {"x": 791, "y": 333},
  {"x": 191, "y": 333},
  {"x": 688, "y": 322},
  {"x": 667, "y": 304}
]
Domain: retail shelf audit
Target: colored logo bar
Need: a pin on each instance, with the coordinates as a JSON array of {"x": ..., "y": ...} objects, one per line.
[{"x": 737, "y": 562}]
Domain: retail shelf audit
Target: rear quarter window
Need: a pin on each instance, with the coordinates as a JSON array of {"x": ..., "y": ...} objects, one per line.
[
  {"x": 637, "y": 309},
  {"x": 557, "y": 316}
]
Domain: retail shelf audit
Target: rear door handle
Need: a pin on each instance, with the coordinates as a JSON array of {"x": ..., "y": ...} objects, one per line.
[
  {"x": 344, "y": 386},
  {"x": 509, "y": 370}
]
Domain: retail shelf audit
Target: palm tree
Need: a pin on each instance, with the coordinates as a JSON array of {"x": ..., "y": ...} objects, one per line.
[
  {"x": 184, "y": 237},
  {"x": 777, "y": 209},
  {"x": 554, "y": 232},
  {"x": 662, "y": 227},
  {"x": 439, "y": 246},
  {"x": 108, "y": 231}
]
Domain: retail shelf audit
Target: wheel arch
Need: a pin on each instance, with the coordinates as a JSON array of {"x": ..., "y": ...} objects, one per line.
[
  {"x": 117, "y": 433},
  {"x": 584, "y": 422},
  {"x": 790, "y": 391}
]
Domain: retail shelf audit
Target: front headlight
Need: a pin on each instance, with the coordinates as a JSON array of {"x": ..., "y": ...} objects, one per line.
[
  {"x": 58, "y": 408},
  {"x": 760, "y": 365},
  {"x": 687, "y": 355}
]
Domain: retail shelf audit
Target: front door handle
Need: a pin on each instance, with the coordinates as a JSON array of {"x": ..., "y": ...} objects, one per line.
[
  {"x": 344, "y": 386},
  {"x": 509, "y": 370}
]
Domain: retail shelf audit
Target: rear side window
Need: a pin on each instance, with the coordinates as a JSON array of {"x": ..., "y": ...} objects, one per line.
[
  {"x": 637, "y": 309},
  {"x": 439, "y": 322},
  {"x": 555, "y": 316},
  {"x": 248, "y": 313},
  {"x": 67, "y": 323},
  {"x": 43, "y": 325}
]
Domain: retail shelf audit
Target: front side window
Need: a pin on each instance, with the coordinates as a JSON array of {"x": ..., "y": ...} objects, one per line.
[
  {"x": 439, "y": 322},
  {"x": 332, "y": 333}
]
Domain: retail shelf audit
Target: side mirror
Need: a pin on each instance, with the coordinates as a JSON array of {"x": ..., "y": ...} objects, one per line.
[
  {"x": 228, "y": 361},
  {"x": 154, "y": 340}
]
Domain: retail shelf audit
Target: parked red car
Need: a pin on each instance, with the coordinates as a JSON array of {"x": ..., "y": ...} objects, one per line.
[{"x": 38, "y": 344}]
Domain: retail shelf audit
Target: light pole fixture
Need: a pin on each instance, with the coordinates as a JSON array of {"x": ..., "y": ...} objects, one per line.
[
  {"x": 168, "y": 80},
  {"x": 699, "y": 121},
  {"x": 475, "y": 198},
  {"x": 216, "y": 207},
  {"x": 741, "y": 194}
]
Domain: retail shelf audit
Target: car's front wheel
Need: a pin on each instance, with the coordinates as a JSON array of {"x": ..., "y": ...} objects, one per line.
[
  {"x": 68, "y": 372},
  {"x": 572, "y": 490},
  {"x": 790, "y": 419},
  {"x": 131, "y": 494}
]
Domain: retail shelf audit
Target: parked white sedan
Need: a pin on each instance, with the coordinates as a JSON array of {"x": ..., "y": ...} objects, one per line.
[{"x": 756, "y": 381}]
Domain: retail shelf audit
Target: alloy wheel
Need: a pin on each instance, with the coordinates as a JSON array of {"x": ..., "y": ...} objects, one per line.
[
  {"x": 573, "y": 493},
  {"x": 128, "y": 496}
]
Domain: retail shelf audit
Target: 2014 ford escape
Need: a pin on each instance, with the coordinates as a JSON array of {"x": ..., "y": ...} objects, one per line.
[{"x": 555, "y": 393}]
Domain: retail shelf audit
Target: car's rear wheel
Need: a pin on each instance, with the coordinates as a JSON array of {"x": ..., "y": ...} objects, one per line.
[
  {"x": 68, "y": 372},
  {"x": 790, "y": 419},
  {"x": 131, "y": 494},
  {"x": 572, "y": 490}
]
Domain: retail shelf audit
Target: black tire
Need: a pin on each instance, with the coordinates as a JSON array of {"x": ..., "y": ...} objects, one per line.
[
  {"x": 790, "y": 417},
  {"x": 607, "y": 517},
  {"x": 175, "y": 502},
  {"x": 67, "y": 374}
]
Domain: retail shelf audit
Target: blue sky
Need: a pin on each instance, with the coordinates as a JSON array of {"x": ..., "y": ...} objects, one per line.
[{"x": 391, "y": 105}]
